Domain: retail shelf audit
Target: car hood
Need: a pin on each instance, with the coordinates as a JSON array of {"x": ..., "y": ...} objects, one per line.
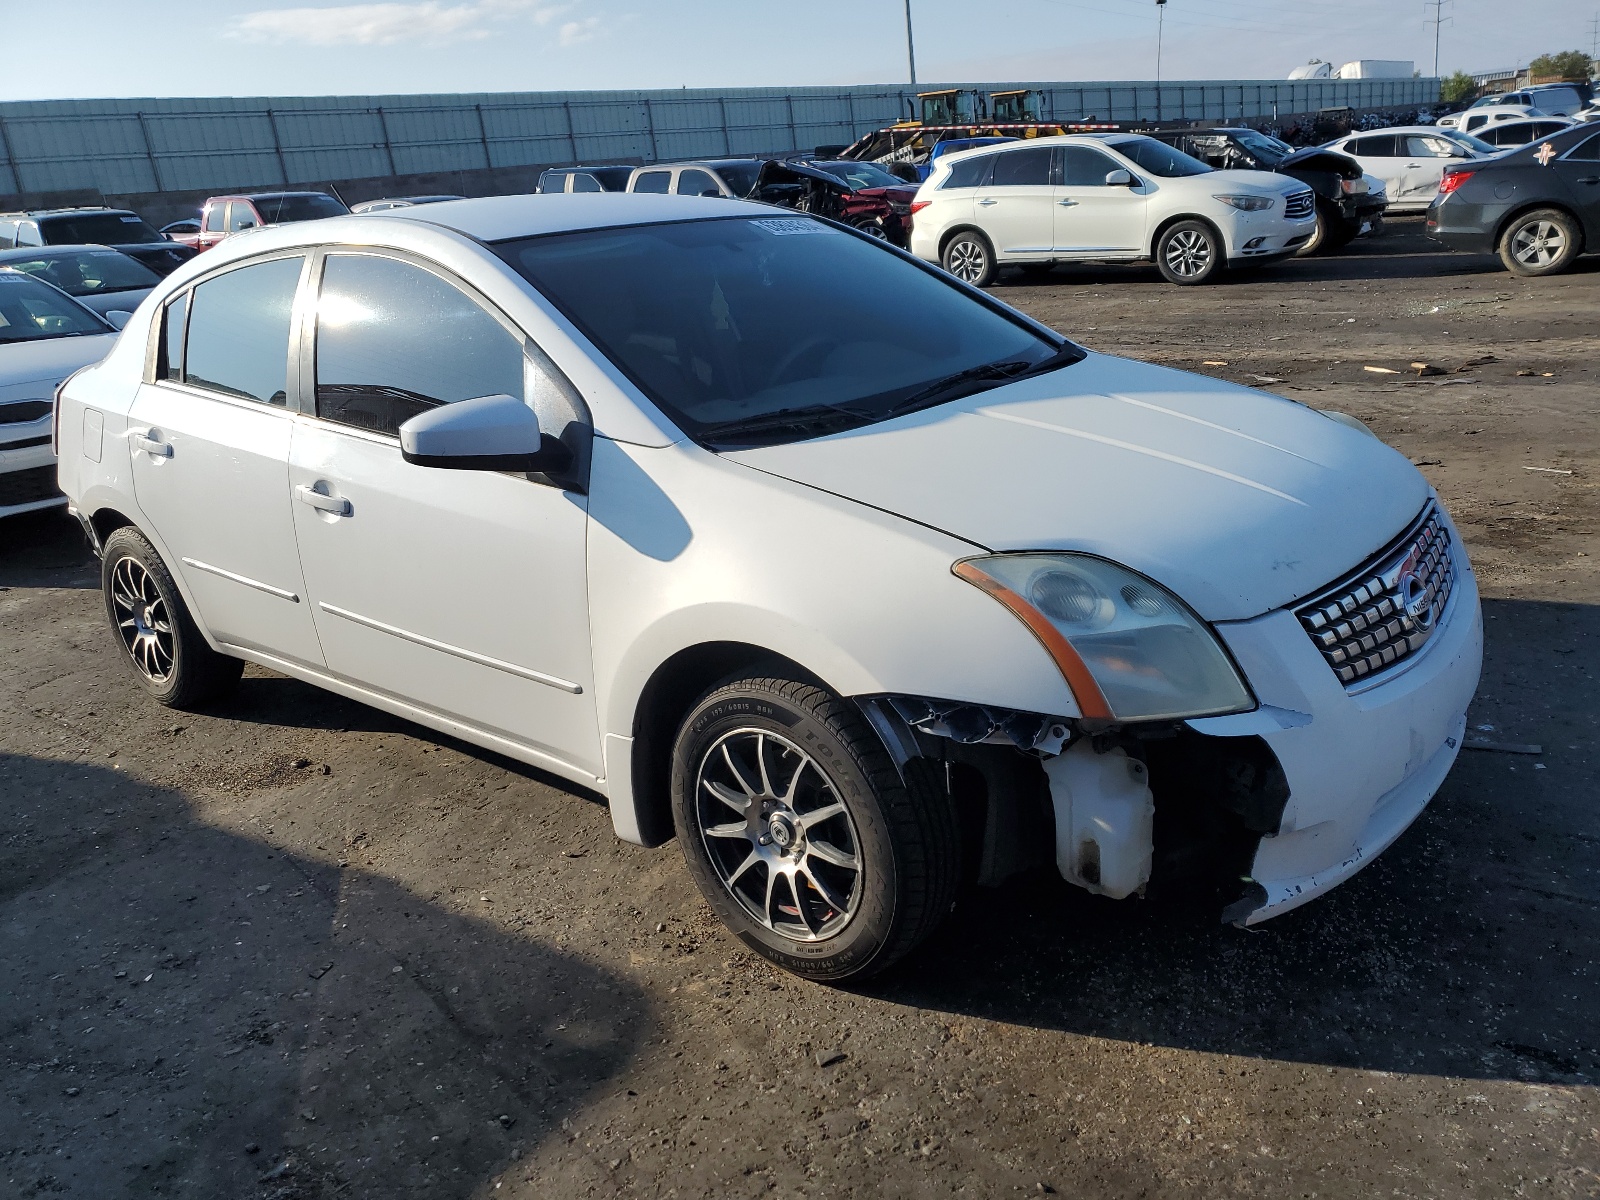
[
  {"x": 1266, "y": 183},
  {"x": 1315, "y": 158},
  {"x": 1239, "y": 501},
  {"x": 108, "y": 302},
  {"x": 31, "y": 370}
]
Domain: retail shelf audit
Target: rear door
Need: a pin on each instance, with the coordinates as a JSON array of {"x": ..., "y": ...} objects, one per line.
[
  {"x": 1379, "y": 154},
  {"x": 1016, "y": 208},
  {"x": 210, "y": 452},
  {"x": 1091, "y": 216}
]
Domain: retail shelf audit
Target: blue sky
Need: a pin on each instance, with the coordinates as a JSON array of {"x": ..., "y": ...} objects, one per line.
[{"x": 312, "y": 47}]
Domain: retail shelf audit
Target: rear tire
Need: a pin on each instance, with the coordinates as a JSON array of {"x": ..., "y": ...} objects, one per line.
[
  {"x": 800, "y": 833},
  {"x": 1320, "y": 236},
  {"x": 153, "y": 631},
  {"x": 1541, "y": 242},
  {"x": 1190, "y": 252},
  {"x": 970, "y": 258}
]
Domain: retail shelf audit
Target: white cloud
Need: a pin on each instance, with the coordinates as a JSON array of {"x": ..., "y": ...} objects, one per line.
[
  {"x": 573, "y": 32},
  {"x": 384, "y": 24}
]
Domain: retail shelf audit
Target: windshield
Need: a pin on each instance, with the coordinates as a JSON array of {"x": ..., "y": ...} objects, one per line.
[
  {"x": 31, "y": 311},
  {"x": 1470, "y": 142},
  {"x": 1268, "y": 148},
  {"x": 724, "y": 323},
  {"x": 739, "y": 176},
  {"x": 281, "y": 210},
  {"x": 859, "y": 174},
  {"x": 91, "y": 272},
  {"x": 97, "y": 229},
  {"x": 1159, "y": 158}
]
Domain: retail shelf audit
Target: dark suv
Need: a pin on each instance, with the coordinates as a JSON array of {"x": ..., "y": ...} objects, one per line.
[
  {"x": 1345, "y": 209},
  {"x": 117, "y": 228}
]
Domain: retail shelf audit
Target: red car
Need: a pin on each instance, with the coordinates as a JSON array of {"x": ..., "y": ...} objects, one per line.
[
  {"x": 224, "y": 215},
  {"x": 861, "y": 194}
]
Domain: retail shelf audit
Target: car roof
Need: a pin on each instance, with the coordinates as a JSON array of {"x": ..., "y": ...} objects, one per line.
[
  {"x": 38, "y": 213},
  {"x": 265, "y": 195},
  {"x": 498, "y": 218},
  {"x": 22, "y": 252}
]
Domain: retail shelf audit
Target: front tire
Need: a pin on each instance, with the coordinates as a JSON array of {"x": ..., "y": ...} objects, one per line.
[
  {"x": 154, "y": 633},
  {"x": 1189, "y": 253},
  {"x": 1321, "y": 236},
  {"x": 1541, "y": 242},
  {"x": 969, "y": 257},
  {"x": 800, "y": 833}
]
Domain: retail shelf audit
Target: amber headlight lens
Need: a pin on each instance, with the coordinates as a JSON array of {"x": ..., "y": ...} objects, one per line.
[{"x": 1129, "y": 649}]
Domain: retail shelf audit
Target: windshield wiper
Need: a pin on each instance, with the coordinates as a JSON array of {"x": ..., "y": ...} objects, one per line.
[
  {"x": 977, "y": 379},
  {"x": 800, "y": 417}
]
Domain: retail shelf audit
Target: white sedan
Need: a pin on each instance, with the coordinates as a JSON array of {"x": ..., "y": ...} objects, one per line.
[
  {"x": 45, "y": 335},
  {"x": 860, "y": 583},
  {"x": 1411, "y": 160},
  {"x": 1103, "y": 198}
]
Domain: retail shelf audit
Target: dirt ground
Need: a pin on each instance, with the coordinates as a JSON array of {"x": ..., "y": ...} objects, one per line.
[{"x": 295, "y": 949}]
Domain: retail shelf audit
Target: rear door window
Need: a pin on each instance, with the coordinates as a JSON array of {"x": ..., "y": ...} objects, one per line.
[
  {"x": 697, "y": 183},
  {"x": 653, "y": 181},
  {"x": 1380, "y": 146},
  {"x": 239, "y": 331},
  {"x": 970, "y": 172},
  {"x": 1023, "y": 168},
  {"x": 394, "y": 340},
  {"x": 1084, "y": 166},
  {"x": 582, "y": 181}
]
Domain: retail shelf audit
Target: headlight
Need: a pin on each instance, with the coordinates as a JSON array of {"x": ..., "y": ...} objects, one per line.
[
  {"x": 1353, "y": 187},
  {"x": 1247, "y": 203},
  {"x": 1129, "y": 649}
]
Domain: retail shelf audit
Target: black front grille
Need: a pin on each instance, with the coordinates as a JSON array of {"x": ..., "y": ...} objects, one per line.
[
  {"x": 24, "y": 487},
  {"x": 1299, "y": 205},
  {"x": 1387, "y": 611},
  {"x": 23, "y": 410}
]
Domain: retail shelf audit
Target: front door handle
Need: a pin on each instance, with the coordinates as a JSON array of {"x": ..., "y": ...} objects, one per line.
[
  {"x": 1066, "y": 203},
  {"x": 986, "y": 202},
  {"x": 1590, "y": 179},
  {"x": 150, "y": 445},
  {"x": 337, "y": 505}
]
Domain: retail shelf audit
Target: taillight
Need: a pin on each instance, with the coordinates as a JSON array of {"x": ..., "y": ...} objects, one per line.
[
  {"x": 1452, "y": 180},
  {"x": 918, "y": 205}
]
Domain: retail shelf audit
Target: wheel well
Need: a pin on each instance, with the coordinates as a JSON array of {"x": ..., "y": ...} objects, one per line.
[
  {"x": 676, "y": 684},
  {"x": 1155, "y": 238},
  {"x": 1531, "y": 206},
  {"x": 105, "y": 522},
  {"x": 949, "y": 236}
]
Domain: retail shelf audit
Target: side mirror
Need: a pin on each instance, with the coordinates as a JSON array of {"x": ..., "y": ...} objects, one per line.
[
  {"x": 119, "y": 317},
  {"x": 243, "y": 225},
  {"x": 1119, "y": 178},
  {"x": 486, "y": 433}
]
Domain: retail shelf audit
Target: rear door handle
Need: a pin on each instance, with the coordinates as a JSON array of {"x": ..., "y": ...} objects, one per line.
[
  {"x": 1066, "y": 203},
  {"x": 986, "y": 202},
  {"x": 1590, "y": 179},
  {"x": 337, "y": 505},
  {"x": 152, "y": 445}
]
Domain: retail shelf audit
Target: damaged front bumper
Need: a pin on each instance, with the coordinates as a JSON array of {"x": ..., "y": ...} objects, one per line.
[{"x": 1361, "y": 764}]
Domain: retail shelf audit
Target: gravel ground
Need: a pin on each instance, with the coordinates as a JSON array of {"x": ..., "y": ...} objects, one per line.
[{"x": 294, "y": 948}]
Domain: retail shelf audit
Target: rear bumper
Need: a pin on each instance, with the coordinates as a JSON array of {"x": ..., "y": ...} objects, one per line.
[
  {"x": 1362, "y": 764},
  {"x": 1464, "y": 226}
]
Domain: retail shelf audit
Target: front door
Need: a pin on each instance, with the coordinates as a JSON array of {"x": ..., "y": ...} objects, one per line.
[
  {"x": 1015, "y": 207},
  {"x": 1579, "y": 170},
  {"x": 1091, "y": 215},
  {"x": 210, "y": 451},
  {"x": 463, "y": 592}
]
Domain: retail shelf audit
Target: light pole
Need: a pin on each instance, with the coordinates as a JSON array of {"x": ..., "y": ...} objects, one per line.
[
  {"x": 911, "y": 50},
  {"x": 1161, "y": 14}
]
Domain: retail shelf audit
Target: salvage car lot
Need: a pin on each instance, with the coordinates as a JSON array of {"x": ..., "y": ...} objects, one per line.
[{"x": 340, "y": 938}]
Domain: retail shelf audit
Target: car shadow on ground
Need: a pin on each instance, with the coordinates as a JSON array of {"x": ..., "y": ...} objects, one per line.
[
  {"x": 1461, "y": 951},
  {"x": 193, "y": 1013},
  {"x": 45, "y": 549}
]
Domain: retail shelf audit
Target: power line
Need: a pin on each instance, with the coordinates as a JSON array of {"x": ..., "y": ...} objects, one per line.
[{"x": 1438, "y": 20}]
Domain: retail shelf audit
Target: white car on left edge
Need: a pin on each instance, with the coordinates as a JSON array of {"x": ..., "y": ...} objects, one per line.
[
  {"x": 1103, "y": 197},
  {"x": 45, "y": 335},
  {"x": 863, "y": 585}
]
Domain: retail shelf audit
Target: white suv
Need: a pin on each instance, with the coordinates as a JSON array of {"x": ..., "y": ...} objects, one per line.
[{"x": 1104, "y": 198}]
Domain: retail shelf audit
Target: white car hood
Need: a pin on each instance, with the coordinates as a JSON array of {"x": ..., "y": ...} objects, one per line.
[
  {"x": 1261, "y": 183},
  {"x": 1239, "y": 501},
  {"x": 31, "y": 370}
]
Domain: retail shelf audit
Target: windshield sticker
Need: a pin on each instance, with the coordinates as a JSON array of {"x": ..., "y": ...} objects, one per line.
[
  {"x": 129, "y": 220},
  {"x": 792, "y": 226}
]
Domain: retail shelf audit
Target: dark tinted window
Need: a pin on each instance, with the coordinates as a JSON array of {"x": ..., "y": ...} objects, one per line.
[
  {"x": 725, "y": 321},
  {"x": 740, "y": 176},
  {"x": 582, "y": 181},
  {"x": 697, "y": 183},
  {"x": 1087, "y": 167},
  {"x": 1589, "y": 151},
  {"x": 90, "y": 273},
  {"x": 172, "y": 318},
  {"x": 1022, "y": 168},
  {"x": 99, "y": 229},
  {"x": 653, "y": 181},
  {"x": 1380, "y": 146},
  {"x": 31, "y": 311},
  {"x": 394, "y": 340},
  {"x": 239, "y": 331},
  {"x": 280, "y": 210},
  {"x": 240, "y": 217},
  {"x": 970, "y": 172},
  {"x": 1159, "y": 158}
]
